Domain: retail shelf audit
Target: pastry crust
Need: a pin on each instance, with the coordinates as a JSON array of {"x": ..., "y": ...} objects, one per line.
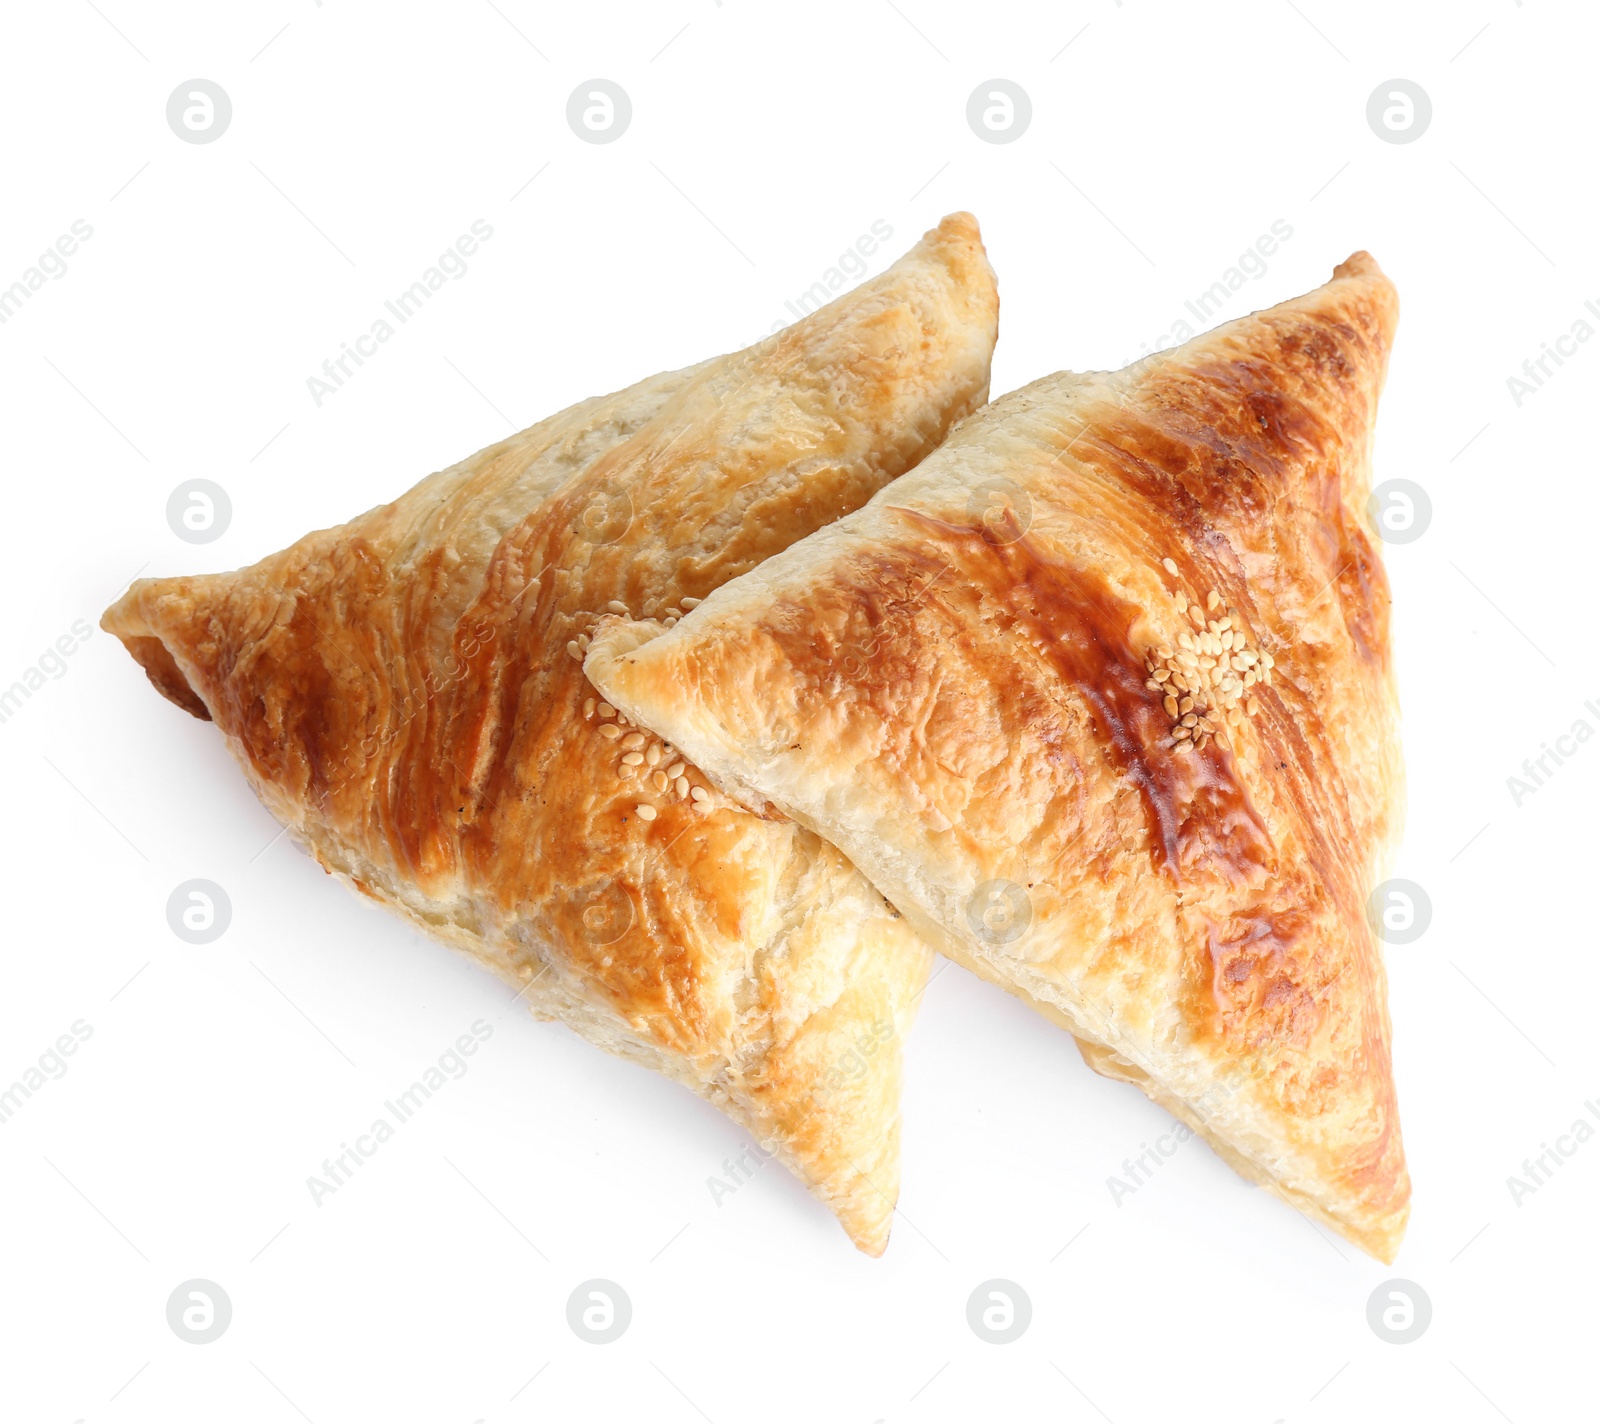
[
  {"x": 405, "y": 694},
  {"x": 965, "y": 686}
]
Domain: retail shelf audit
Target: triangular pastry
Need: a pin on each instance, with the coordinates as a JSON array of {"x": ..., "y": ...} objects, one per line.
[
  {"x": 1100, "y": 697},
  {"x": 405, "y": 693}
]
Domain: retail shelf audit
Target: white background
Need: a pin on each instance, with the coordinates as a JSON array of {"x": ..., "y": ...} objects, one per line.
[{"x": 765, "y": 139}]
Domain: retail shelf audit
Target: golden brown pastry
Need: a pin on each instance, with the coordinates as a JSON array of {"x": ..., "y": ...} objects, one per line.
[
  {"x": 1100, "y": 697},
  {"x": 405, "y": 693}
]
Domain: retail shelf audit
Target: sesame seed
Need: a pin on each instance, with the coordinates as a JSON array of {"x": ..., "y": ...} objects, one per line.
[
  {"x": 681, "y": 785},
  {"x": 1204, "y": 683},
  {"x": 1169, "y": 566},
  {"x": 607, "y": 710},
  {"x": 690, "y": 602},
  {"x": 610, "y": 731},
  {"x": 588, "y": 708},
  {"x": 633, "y": 759},
  {"x": 573, "y": 650},
  {"x": 644, "y": 812},
  {"x": 675, "y": 771},
  {"x": 633, "y": 741},
  {"x": 699, "y": 793},
  {"x": 617, "y": 606},
  {"x": 658, "y": 779},
  {"x": 583, "y": 641},
  {"x": 671, "y": 619},
  {"x": 653, "y": 756}
]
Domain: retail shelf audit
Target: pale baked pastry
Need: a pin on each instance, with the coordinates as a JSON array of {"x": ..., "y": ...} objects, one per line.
[
  {"x": 405, "y": 693},
  {"x": 1100, "y": 697}
]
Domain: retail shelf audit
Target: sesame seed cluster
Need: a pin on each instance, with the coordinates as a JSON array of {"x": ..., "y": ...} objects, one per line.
[
  {"x": 647, "y": 762},
  {"x": 1206, "y": 681}
]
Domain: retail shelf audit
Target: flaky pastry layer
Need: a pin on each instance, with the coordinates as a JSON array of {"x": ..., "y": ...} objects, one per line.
[
  {"x": 1100, "y": 696},
  {"x": 405, "y": 693}
]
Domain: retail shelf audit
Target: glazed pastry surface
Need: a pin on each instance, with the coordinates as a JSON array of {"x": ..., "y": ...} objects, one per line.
[
  {"x": 405, "y": 693},
  {"x": 1100, "y": 697}
]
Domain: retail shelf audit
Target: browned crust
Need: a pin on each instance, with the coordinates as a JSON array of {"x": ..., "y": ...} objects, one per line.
[
  {"x": 970, "y": 702},
  {"x": 399, "y": 690}
]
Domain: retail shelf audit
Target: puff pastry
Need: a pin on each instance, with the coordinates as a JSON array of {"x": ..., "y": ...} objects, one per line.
[
  {"x": 405, "y": 693},
  {"x": 1100, "y": 697}
]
